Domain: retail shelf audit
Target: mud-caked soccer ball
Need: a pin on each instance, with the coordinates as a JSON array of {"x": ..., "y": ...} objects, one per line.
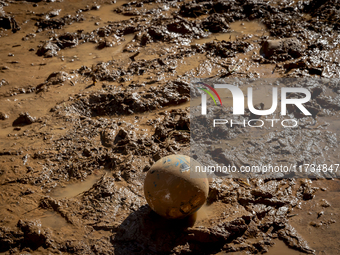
[{"x": 169, "y": 189}]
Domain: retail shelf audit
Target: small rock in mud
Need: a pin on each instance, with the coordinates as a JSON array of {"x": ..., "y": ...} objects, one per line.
[
  {"x": 57, "y": 77},
  {"x": 23, "y": 119},
  {"x": 67, "y": 40},
  {"x": 325, "y": 203},
  {"x": 48, "y": 50},
  {"x": 179, "y": 27},
  {"x": 3, "y": 116},
  {"x": 282, "y": 49},
  {"x": 320, "y": 214},
  {"x": 95, "y": 7},
  {"x": 54, "y": 13},
  {"x": 109, "y": 42},
  {"x": 53, "y": 79},
  {"x": 29, "y": 37},
  {"x": 122, "y": 137},
  {"x": 3, "y": 82},
  {"x": 306, "y": 191},
  {"x": 314, "y": 224}
]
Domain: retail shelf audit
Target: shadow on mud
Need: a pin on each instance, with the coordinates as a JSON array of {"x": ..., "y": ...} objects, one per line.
[{"x": 145, "y": 232}]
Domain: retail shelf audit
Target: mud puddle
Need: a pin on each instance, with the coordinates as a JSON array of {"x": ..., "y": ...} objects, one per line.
[
  {"x": 75, "y": 189},
  {"x": 318, "y": 222},
  {"x": 86, "y": 54},
  {"x": 239, "y": 29},
  {"x": 53, "y": 220},
  {"x": 281, "y": 249},
  {"x": 97, "y": 18}
]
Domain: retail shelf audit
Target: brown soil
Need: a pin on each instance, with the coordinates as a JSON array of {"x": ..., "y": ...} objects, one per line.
[{"x": 93, "y": 93}]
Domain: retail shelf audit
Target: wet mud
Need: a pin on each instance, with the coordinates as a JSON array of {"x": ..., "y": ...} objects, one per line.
[{"x": 93, "y": 93}]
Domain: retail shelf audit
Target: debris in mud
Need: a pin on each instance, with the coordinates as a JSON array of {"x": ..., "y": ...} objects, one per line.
[
  {"x": 129, "y": 102},
  {"x": 109, "y": 41},
  {"x": 57, "y": 77},
  {"x": 325, "y": 203},
  {"x": 9, "y": 238},
  {"x": 282, "y": 49},
  {"x": 27, "y": 234},
  {"x": 67, "y": 40},
  {"x": 29, "y": 37},
  {"x": 215, "y": 23},
  {"x": 323, "y": 12},
  {"x": 55, "y": 23},
  {"x": 7, "y": 21},
  {"x": 88, "y": 8},
  {"x": 54, "y": 13},
  {"x": 3, "y": 82},
  {"x": 53, "y": 79},
  {"x": 23, "y": 119},
  {"x": 34, "y": 235},
  {"x": 294, "y": 240},
  {"x": 306, "y": 191},
  {"x": 48, "y": 50},
  {"x": 3, "y": 116},
  {"x": 227, "y": 49}
]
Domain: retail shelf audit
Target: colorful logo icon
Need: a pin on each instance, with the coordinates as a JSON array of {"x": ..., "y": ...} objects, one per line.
[{"x": 209, "y": 93}]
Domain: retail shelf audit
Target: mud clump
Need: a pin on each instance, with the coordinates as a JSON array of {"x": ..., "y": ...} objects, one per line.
[
  {"x": 179, "y": 27},
  {"x": 67, "y": 40},
  {"x": 9, "y": 238},
  {"x": 215, "y": 23},
  {"x": 57, "y": 77},
  {"x": 53, "y": 79},
  {"x": 48, "y": 50},
  {"x": 227, "y": 49},
  {"x": 3, "y": 82},
  {"x": 3, "y": 116},
  {"x": 34, "y": 235},
  {"x": 55, "y": 23},
  {"x": 327, "y": 11},
  {"x": 282, "y": 49},
  {"x": 128, "y": 102},
  {"x": 27, "y": 234},
  {"x": 23, "y": 119},
  {"x": 7, "y": 21}
]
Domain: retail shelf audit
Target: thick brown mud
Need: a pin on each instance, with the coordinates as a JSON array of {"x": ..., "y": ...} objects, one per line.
[{"x": 93, "y": 93}]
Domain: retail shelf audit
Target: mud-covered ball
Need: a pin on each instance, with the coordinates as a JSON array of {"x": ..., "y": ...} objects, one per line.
[{"x": 170, "y": 190}]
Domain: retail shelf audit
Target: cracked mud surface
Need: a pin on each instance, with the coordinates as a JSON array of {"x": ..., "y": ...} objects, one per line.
[{"x": 93, "y": 93}]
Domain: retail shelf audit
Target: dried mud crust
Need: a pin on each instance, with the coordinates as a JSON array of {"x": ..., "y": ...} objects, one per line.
[{"x": 115, "y": 118}]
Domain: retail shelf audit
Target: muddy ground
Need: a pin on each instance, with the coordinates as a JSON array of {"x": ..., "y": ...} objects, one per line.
[{"x": 93, "y": 93}]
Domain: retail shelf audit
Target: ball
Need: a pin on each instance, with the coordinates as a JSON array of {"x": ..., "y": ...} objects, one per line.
[{"x": 169, "y": 189}]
